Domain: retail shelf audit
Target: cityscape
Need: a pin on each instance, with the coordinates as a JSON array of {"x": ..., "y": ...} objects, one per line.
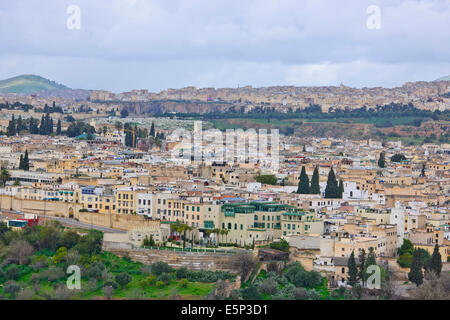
[{"x": 268, "y": 192}]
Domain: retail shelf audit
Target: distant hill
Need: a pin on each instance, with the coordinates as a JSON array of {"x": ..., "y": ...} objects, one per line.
[
  {"x": 447, "y": 78},
  {"x": 27, "y": 84}
]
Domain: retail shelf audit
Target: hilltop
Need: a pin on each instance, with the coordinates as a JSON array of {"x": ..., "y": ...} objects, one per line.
[{"x": 27, "y": 84}]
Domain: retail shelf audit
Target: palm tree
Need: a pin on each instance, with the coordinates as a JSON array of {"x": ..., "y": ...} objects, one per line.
[
  {"x": 226, "y": 232},
  {"x": 222, "y": 232},
  {"x": 216, "y": 232},
  {"x": 208, "y": 232},
  {"x": 184, "y": 228},
  {"x": 4, "y": 177},
  {"x": 174, "y": 228}
]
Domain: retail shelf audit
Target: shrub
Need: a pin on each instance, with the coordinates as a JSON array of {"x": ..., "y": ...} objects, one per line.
[
  {"x": 60, "y": 255},
  {"x": 96, "y": 269},
  {"x": 300, "y": 294},
  {"x": 12, "y": 272},
  {"x": 160, "y": 284},
  {"x": 282, "y": 245},
  {"x": 405, "y": 260},
  {"x": 181, "y": 273},
  {"x": 148, "y": 281},
  {"x": 40, "y": 262},
  {"x": 111, "y": 283},
  {"x": 54, "y": 273},
  {"x": 108, "y": 291},
  {"x": 123, "y": 279},
  {"x": 250, "y": 293},
  {"x": 12, "y": 288},
  {"x": 183, "y": 283},
  {"x": 146, "y": 270},
  {"x": 269, "y": 286},
  {"x": 166, "y": 277}
]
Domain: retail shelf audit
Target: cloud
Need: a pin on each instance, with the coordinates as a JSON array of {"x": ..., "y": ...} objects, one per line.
[{"x": 124, "y": 44}]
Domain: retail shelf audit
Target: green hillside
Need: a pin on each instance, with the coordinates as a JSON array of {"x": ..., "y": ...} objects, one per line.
[
  {"x": 29, "y": 84},
  {"x": 447, "y": 78}
]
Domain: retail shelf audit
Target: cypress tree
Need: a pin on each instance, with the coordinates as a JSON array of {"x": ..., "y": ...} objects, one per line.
[
  {"x": 42, "y": 125},
  {"x": 26, "y": 161},
  {"x": 371, "y": 260},
  {"x": 303, "y": 184},
  {"x": 21, "y": 162},
  {"x": 381, "y": 160},
  {"x": 332, "y": 190},
  {"x": 315, "y": 188},
  {"x": 19, "y": 125},
  {"x": 352, "y": 270},
  {"x": 11, "y": 131},
  {"x": 435, "y": 263},
  {"x": 422, "y": 173},
  {"x": 152, "y": 130},
  {"x": 415, "y": 274},
  {"x": 341, "y": 189}
]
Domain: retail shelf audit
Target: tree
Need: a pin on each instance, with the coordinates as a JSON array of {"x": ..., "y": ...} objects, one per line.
[
  {"x": 341, "y": 189},
  {"x": 398, "y": 157},
  {"x": 382, "y": 160},
  {"x": 245, "y": 263},
  {"x": 123, "y": 279},
  {"x": 303, "y": 184},
  {"x": 352, "y": 270},
  {"x": 435, "y": 263},
  {"x": 26, "y": 162},
  {"x": 108, "y": 291},
  {"x": 332, "y": 189},
  {"x": 21, "y": 162},
  {"x": 267, "y": 179},
  {"x": 371, "y": 260},
  {"x": 152, "y": 130},
  {"x": 12, "y": 288},
  {"x": 4, "y": 176},
  {"x": 406, "y": 247},
  {"x": 124, "y": 113},
  {"x": 315, "y": 188},
  {"x": 58, "y": 127},
  {"x": 422, "y": 173},
  {"x": 11, "y": 130},
  {"x": 281, "y": 245},
  {"x": 160, "y": 267},
  {"x": 415, "y": 274},
  {"x": 362, "y": 266},
  {"x": 20, "y": 251}
]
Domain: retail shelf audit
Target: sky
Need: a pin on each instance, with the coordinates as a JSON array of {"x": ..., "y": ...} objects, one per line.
[{"x": 122, "y": 45}]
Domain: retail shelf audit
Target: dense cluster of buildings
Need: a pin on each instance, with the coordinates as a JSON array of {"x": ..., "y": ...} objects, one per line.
[
  {"x": 424, "y": 95},
  {"x": 145, "y": 191}
]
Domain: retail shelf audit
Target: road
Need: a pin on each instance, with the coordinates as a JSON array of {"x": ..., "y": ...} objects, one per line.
[{"x": 75, "y": 223}]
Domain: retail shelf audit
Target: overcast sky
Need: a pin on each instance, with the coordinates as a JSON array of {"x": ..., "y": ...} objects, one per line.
[{"x": 155, "y": 45}]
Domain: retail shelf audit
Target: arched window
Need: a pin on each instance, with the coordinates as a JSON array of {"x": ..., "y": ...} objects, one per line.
[{"x": 229, "y": 225}]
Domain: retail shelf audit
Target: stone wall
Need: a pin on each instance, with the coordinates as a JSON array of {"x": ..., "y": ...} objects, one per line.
[{"x": 64, "y": 209}]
